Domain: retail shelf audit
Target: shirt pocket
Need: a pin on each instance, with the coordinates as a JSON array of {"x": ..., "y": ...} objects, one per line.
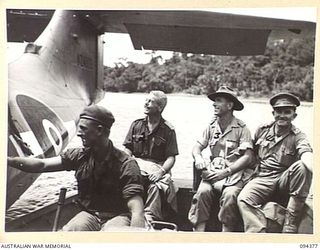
[
  {"x": 213, "y": 141},
  {"x": 261, "y": 147},
  {"x": 231, "y": 146},
  {"x": 158, "y": 148},
  {"x": 262, "y": 142},
  {"x": 138, "y": 142},
  {"x": 287, "y": 156}
]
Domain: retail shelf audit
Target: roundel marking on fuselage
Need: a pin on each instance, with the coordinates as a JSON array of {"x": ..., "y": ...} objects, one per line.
[
  {"x": 41, "y": 120},
  {"x": 53, "y": 135}
]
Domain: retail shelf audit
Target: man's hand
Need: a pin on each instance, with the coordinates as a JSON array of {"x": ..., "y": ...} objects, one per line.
[
  {"x": 214, "y": 175},
  {"x": 155, "y": 176},
  {"x": 199, "y": 162}
]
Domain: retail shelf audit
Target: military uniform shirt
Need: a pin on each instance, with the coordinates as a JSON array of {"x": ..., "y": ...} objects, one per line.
[
  {"x": 229, "y": 145},
  {"x": 157, "y": 145},
  {"x": 105, "y": 186},
  {"x": 277, "y": 154}
]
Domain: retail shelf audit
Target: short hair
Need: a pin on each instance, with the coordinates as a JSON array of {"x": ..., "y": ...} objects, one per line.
[{"x": 160, "y": 98}]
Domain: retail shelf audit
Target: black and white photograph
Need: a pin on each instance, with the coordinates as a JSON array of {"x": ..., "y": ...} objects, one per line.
[{"x": 197, "y": 122}]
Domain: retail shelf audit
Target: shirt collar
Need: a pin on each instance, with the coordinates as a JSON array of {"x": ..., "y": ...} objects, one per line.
[
  {"x": 161, "y": 123},
  {"x": 293, "y": 129},
  {"x": 108, "y": 151},
  {"x": 233, "y": 124}
]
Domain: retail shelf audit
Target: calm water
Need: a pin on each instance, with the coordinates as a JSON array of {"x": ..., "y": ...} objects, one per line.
[{"x": 188, "y": 114}]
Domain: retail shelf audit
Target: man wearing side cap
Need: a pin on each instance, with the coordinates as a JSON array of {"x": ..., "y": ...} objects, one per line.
[
  {"x": 284, "y": 166},
  {"x": 230, "y": 144},
  {"x": 109, "y": 181}
]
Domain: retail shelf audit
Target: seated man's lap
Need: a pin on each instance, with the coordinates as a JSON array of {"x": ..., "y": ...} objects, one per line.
[
  {"x": 122, "y": 220},
  {"x": 83, "y": 221},
  {"x": 258, "y": 191}
]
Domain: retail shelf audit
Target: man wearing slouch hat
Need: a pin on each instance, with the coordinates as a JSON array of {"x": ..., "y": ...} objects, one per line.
[
  {"x": 284, "y": 168},
  {"x": 109, "y": 182},
  {"x": 223, "y": 178}
]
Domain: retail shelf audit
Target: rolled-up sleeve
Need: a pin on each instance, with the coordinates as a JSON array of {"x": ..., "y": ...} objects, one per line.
[
  {"x": 131, "y": 179},
  {"x": 302, "y": 144},
  {"x": 204, "y": 139},
  {"x": 172, "y": 146},
  {"x": 128, "y": 140},
  {"x": 245, "y": 139},
  {"x": 70, "y": 158}
]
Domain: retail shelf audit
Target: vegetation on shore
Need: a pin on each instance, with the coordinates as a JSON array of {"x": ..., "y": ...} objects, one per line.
[{"x": 285, "y": 66}]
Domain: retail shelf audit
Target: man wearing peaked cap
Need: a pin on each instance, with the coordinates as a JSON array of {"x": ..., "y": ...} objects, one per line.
[
  {"x": 284, "y": 100},
  {"x": 230, "y": 144},
  {"x": 110, "y": 185},
  {"x": 284, "y": 166}
]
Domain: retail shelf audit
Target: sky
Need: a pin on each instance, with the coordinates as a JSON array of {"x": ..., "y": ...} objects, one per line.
[{"x": 118, "y": 47}]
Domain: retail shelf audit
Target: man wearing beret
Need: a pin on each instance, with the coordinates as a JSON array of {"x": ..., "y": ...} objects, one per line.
[
  {"x": 152, "y": 140},
  {"x": 109, "y": 181},
  {"x": 284, "y": 166},
  {"x": 230, "y": 144}
]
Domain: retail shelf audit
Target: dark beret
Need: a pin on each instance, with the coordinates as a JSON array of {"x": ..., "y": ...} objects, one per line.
[{"x": 98, "y": 114}]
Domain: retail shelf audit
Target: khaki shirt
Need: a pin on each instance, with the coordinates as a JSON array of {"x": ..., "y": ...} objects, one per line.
[
  {"x": 104, "y": 186},
  {"x": 276, "y": 154},
  {"x": 230, "y": 145},
  {"x": 157, "y": 145}
]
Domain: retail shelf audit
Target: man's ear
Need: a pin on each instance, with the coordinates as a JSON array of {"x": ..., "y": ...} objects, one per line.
[
  {"x": 100, "y": 129},
  {"x": 230, "y": 105}
]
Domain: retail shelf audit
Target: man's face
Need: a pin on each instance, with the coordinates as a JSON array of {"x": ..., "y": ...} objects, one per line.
[
  {"x": 151, "y": 106},
  {"x": 88, "y": 132},
  {"x": 221, "y": 106},
  {"x": 284, "y": 115}
]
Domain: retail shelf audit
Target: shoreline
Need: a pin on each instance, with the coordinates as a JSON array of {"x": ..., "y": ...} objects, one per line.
[{"x": 181, "y": 94}]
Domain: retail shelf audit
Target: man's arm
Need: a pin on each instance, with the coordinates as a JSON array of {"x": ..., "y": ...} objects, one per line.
[
  {"x": 307, "y": 160},
  {"x": 166, "y": 167},
  {"x": 196, "y": 153},
  {"x": 243, "y": 162},
  {"x": 135, "y": 205},
  {"x": 128, "y": 151},
  {"x": 128, "y": 143},
  {"x": 36, "y": 165}
]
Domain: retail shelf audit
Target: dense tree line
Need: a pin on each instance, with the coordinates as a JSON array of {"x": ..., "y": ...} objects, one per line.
[{"x": 286, "y": 65}]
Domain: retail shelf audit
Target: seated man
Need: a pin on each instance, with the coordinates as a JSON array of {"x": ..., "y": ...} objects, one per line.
[
  {"x": 284, "y": 164},
  {"x": 230, "y": 143},
  {"x": 152, "y": 140},
  {"x": 109, "y": 181}
]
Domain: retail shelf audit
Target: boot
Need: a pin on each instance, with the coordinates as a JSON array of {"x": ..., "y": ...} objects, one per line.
[
  {"x": 293, "y": 214},
  {"x": 291, "y": 223}
]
